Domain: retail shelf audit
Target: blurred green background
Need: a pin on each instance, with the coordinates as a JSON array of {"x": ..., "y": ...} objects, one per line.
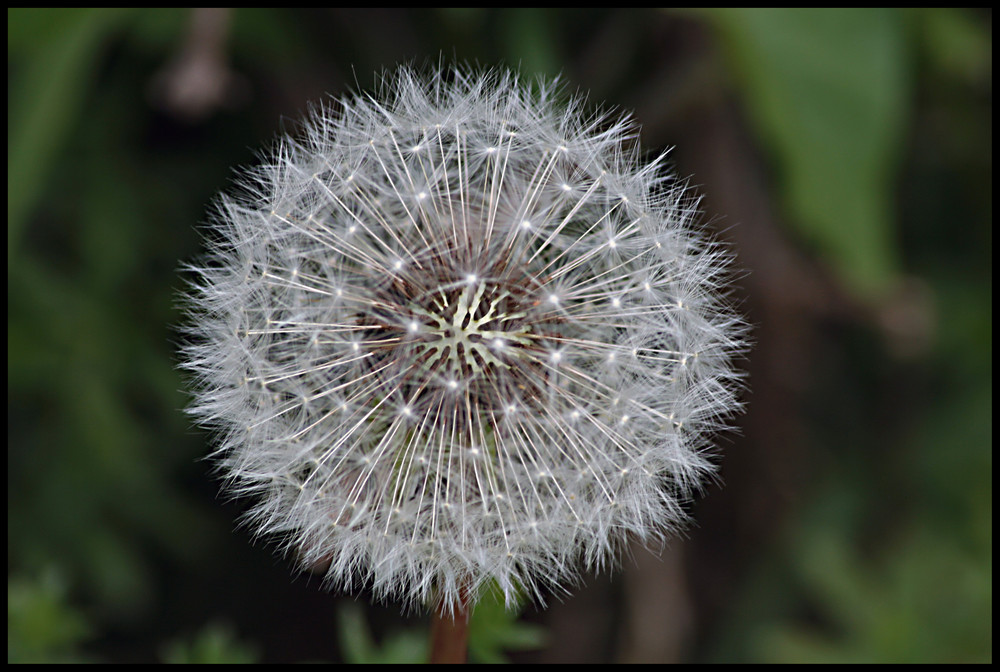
[{"x": 846, "y": 155}]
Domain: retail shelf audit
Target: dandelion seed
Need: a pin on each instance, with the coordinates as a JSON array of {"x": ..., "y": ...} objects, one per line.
[{"x": 428, "y": 430}]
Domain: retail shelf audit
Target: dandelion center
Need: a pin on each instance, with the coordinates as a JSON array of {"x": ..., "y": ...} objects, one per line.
[{"x": 486, "y": 332}]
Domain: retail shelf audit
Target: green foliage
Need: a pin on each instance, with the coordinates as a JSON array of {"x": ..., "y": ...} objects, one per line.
[
  {"x": 89, "y": 370},
  {"x": 529, "y": 41},
  {"x": 956, "y": 43},
  {"x": 827, "y": 90},
  {"x": 883, "y": 611},
  {"x": 892, "y": 563},
  {"x": 215, "y": 643},
  {"x": 61, "y": 47},
  {"x": 41, "y": 626},
  {"x": 495, "y": 629},
  {"x": 921, "y": 598},
  {"x": 357, "y": 645}
]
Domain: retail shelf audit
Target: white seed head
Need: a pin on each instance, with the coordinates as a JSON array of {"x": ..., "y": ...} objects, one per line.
[{"x": 459, "y": 333}]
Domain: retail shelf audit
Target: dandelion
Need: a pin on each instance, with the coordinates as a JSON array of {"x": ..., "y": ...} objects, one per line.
[{"x": 458, "y": 334}]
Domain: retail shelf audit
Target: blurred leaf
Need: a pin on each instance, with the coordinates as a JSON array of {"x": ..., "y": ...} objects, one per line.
[
  {"x": 45, "y": 97},
  {"x": 494, "y": 629},
  {"x": 356, "y": 643},
  {"x": 158, "y": 30},
  {"x": 957, "y": 43},
  {"x": 926, "y": 601},
  {"x": 269, "y": 37},
  {"x": 216, "y": 643},
  {"x": 463, "y": 18},
  {"x": 358, "y": 646},
  {"x": 529, "y": 42},
  {"x": 88, "y": 451},
  {"x": 112, "y": 222},
  {"x": 41, "y": 626},
  {"x": 827, "y": 90}
]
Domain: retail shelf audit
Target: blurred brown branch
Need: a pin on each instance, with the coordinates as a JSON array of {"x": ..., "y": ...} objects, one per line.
[{"x": 198, "y": 80}]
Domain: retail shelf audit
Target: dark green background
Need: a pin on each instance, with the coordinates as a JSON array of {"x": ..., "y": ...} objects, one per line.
[{"x": 845, "y": 154}]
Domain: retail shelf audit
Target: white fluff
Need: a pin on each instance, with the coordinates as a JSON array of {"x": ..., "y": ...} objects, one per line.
[{"x": 459, "y": 333}]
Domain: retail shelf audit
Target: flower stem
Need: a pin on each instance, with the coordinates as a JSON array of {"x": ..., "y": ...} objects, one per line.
[{"x": 449, "y": 632}]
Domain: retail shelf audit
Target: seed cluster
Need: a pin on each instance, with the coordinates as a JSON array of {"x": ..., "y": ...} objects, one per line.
[{"x": 458, "y": 333}]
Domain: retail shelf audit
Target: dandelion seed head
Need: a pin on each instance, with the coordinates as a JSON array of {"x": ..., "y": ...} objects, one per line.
[{"x": 458, "y": 333}]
